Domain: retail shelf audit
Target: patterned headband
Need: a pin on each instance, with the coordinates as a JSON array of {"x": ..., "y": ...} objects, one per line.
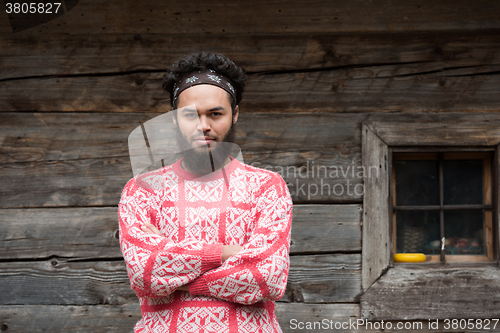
[{"x": 204, "y": 76}]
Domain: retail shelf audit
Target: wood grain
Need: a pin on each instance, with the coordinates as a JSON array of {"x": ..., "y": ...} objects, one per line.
[
  {"x": 376, "y": 235},
  {"x": 92, "y": 233},
  {"x": 266, "y": 140},
  {"x": 52, "y": 160},
  {"x": 70, "y": 318},
  {"x": 79, "y": 233},
  {"x": 99, "y": 182},
  {"x": 316, "y": 278},
  {"x": 372, "y": 88},
  {"x": 295, "y": 317},
  {"x": 324, "y": 279},
  {"x": 82, "y": 159},
  {"x": 80, "y": 182},
  {"x": 122, "y": 318},
  {"x": 101, "y": 17},
  {"x": 496, "y": 199},
  {"x": 37, "y": 137},
  {"x": 60, "y": 282},
  {"x": 326, "y": 228},
  {"x": 439, "y": 293},
  {"x": 439, "y": 130},
  {"x": 117, "y": 54}
]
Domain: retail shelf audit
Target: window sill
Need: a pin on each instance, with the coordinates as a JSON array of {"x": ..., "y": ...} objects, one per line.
[
  {"x": 430, "y": 265},
  {"x": 428, "y": 291}
]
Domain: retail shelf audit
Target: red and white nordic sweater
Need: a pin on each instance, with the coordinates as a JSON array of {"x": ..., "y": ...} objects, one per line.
[{"x": 238, "y": 204}]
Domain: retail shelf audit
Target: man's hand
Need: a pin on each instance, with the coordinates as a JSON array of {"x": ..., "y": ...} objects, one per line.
[
  {"x": 230, "y": 250},
  {"x": 148, "y": 227}
]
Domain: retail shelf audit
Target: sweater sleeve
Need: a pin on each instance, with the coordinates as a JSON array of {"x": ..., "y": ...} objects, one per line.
[
  {"x": 157, "y": 265},
  {"x": 259, "y": 271}
]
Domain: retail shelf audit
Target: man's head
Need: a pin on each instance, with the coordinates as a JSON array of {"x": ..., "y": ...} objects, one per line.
[
  {"x": 206, "y": 110},
  {"x": 205, "y": 61}
]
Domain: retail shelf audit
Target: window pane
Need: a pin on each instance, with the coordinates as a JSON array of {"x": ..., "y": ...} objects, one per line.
[
  {"x": 463, "y": 182},
  {"x": 464, "y": 231},
  {"x": 417, "y": 183},
  {"x": 417, "y": 231}
]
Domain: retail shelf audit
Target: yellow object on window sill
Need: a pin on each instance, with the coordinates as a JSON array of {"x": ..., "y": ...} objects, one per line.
[{"x": 409, "y": 257}]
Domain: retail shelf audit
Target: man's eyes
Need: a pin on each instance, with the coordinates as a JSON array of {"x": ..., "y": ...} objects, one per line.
[{"x": 193, "y": 114}]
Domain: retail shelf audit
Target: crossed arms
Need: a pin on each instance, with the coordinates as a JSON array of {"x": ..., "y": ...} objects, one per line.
[
  {"x": 227, "y": 250},
  {"x": 159, "y": 264}
]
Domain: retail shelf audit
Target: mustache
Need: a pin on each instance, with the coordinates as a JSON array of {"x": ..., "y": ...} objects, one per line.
[{"x": 204, "y": 135}]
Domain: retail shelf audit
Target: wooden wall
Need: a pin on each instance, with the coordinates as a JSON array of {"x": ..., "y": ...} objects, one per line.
[{"x": 71, "y": 91}]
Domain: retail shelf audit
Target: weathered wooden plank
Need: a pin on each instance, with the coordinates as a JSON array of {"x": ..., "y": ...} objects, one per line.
[
  {"x": 371, "y": 88},
  {"x": 95, "y": 54},
  {"x": 99, "y": 17},
  {"x": 267, "y": 140},
  {"x": 67, "y": 233},
  {"x": 58, "y": 282},
  {"x": 296, "y": 317},
  {"x": 99, "y": 182},
  {"x": 69, "y": 156},
  {"x": 315, "y": 176},
  {"x": 293, "y": 317},
  {"x": 36, "y": 137},
  {"x": 376, "y": 241},
  {"x": 122, "y": 318},
  {"x": 314, "y": 278},
  {"x": 317, "y": 154},
  {"x": 82, "y": 182},
  {"x": 377, "y": 88},
  {"x": 93, "y": 232},
  {"x": 326, "y": 228},
  {"x": 438, "y": 130},
  {"x": 496, "y": 195},
  {"x": 78, "y": 319},
  {"x": 404, "y": 293},
  {"x": 324, "y": 279}
]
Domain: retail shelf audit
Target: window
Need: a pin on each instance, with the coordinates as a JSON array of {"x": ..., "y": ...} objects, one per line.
[
  {"x": 442, "y": 205},
  {"x": 437, "y": 290}
]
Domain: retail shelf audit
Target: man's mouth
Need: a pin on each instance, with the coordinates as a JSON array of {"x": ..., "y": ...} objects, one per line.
[{"x": 203, "y": 140}]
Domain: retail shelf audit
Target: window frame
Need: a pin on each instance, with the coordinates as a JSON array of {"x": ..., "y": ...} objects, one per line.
[
  {"x": 485, "y": 154},
  {"x": 393, "y": 292}
]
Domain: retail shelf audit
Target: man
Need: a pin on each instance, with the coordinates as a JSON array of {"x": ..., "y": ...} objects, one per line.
[{"x": 208, "y": 251}]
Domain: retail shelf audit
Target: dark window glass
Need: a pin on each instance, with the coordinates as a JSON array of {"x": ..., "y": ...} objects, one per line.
[
  {"x": 463, "y": 182},
  {"x": 417, "y": 183},
  {"x": 464, "y": 231},
  {"x": 417, "y": 231}
]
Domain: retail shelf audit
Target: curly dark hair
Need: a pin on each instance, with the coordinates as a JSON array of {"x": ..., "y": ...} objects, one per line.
[{"x": 205, "y": 60}]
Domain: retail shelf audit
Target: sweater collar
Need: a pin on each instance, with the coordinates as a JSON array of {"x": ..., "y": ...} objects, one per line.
[{"x": 223, "y": 172}]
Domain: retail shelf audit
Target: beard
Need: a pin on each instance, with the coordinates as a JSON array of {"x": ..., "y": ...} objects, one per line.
[{"x": 206, "y": 158}]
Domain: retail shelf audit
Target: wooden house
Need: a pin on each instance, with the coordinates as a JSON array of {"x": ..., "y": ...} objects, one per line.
[{"x": 343, "y": 98}]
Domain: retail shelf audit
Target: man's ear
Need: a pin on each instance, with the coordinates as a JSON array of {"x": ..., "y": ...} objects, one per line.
[{"x": 236, "y": 113}]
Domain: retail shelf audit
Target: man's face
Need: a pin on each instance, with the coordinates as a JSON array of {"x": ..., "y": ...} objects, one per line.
[{"x": 204, "y": 120}]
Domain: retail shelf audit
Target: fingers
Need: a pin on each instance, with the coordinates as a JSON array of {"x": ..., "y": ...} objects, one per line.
[
  {"x": 149, "y": 228},
  {"x": 230, "y": 250}
]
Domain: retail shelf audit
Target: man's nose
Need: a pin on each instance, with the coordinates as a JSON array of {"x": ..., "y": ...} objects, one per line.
[{"x": 203, "y": 125}]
